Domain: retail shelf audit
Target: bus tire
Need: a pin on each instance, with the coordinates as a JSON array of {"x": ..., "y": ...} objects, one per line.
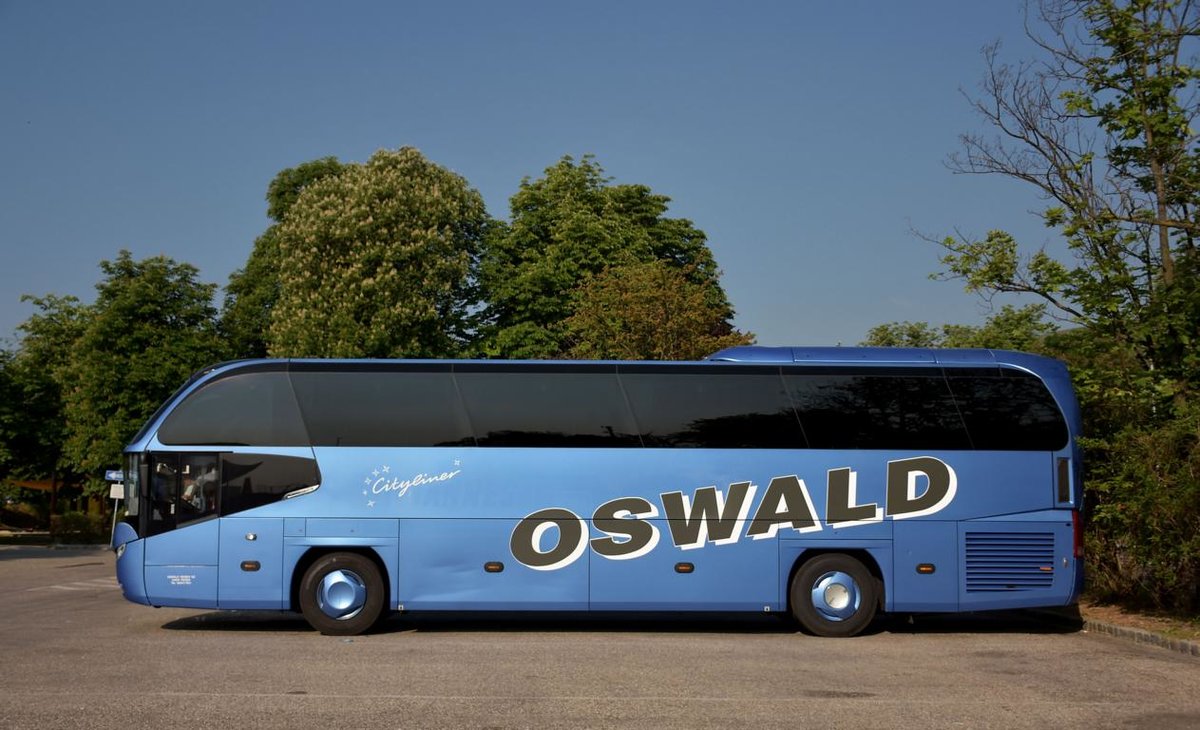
[
  {"x": 833, "y": 595},
  {"x": 342, "y": 594}
]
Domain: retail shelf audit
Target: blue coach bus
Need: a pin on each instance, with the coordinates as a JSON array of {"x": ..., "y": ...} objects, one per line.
[{"x": 831, "y": 483}]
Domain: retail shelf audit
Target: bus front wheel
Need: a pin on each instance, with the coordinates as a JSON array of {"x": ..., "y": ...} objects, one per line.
[
  {"x": 834, "y": 595},
  {"x": 342, "y": 594}
]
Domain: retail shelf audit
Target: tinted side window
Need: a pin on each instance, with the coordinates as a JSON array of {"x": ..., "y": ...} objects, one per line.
[
  {"x": 381, "y": 408},
  {"x": 252, "y": 480},
  {"x": 844, "y": 410},
  {"x": 532, "y": 407},
  {"x": 714, "y": 410},
  {"x": 246, "y": 409},
  {"x": 1008, "y": 410}
]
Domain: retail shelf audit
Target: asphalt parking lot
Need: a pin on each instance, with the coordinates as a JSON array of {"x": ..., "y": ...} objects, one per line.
[{"x": 75, "y": 654}]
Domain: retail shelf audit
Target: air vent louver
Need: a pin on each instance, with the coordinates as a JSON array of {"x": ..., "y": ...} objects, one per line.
[{"x": 1009, "y": 561}]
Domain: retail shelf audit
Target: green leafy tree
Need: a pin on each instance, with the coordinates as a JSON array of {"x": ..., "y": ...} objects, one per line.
[
  {"x": 904, "y": 334},
  {"x": 377, "y": 261},
  {"x": 9, "y": 418},
  {"x": 252, "y": 291},
  {"x": 250, "y": 297},
  {"x": 50, "y": 335},
  {"x": 1012, "y": 328},
  {"x": 32, "y": 411},
  {"x": 31, "y": 436},
  {"x": 152, "y": 325},
  {"x": 285, "y": 188},
  {"x": 30, "y": 419},
  {"x": 647, "y": 311},
  {"x": 1102, "y": 125},
  {"x": 566, "y": 227}
]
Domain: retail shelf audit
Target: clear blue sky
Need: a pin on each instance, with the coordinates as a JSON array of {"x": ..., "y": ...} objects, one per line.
[{"x": 804, "y": 138}]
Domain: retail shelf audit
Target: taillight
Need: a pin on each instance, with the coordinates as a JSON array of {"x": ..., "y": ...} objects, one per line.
[
  {"x": 1064, "y": 480},
  {"x": 1077, "y": 530}
]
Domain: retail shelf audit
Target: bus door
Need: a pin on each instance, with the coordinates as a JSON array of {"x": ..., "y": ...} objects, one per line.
[
  {"x": 181, "y": 528},
  {"x": 251, "y": 565},
  {"x": 251, "y": 543}
]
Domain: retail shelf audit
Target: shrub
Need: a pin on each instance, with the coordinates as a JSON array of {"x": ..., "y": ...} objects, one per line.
[
  {"x": 78, "y": 527},
  {"x": 20, "y": 515},
  {"x": 1144, "y": 537}
]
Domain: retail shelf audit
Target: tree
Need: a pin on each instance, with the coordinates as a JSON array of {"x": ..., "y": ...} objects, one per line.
[
  {"x": 253, "y": 290},
  {"x": 566, "y": 227},
  {"x": 9, "y": 404},
  {"x": 1012, "y": 328},
  {"x": 287, "y": 185},
  {"x": 34, "y": 420},
  {"x": 152, "y": 325},
  {"x": 51, "y": 333},
  {"x": 1101, "y": 124},
  {"x": 905, "y": 334},
  {"x": 377, "y": 260},
  {"x": 647, "y": 311},
  {"x": 30, "y": 418},
  {"x": 23, "y": 428},
  {"x": 250, "y": 298}
]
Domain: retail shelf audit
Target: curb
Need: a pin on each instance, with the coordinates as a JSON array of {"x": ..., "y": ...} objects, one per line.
[
  {"x": 52, "y": 546},
  {"x": 1140, "y": 636}
]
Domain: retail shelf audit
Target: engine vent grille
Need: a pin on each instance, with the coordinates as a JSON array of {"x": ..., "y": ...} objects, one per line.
[{"x": 1009, "y": 561}]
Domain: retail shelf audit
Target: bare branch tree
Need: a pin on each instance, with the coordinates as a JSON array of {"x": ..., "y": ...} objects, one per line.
[{"x": 1101, "y": 126}]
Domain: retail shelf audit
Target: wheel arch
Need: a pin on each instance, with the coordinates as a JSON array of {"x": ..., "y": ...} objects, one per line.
[
  {"x": 313, "y": 554},
  {"x": 862, "y": 555}
]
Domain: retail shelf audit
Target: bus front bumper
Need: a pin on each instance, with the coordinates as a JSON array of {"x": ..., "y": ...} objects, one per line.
[{"x": 130, "y": 573}]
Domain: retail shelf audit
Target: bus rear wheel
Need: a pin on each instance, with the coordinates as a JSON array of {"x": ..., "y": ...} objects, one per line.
[
  {"x": 834, "y": 595},
  {"x": 342, "y": 594}
]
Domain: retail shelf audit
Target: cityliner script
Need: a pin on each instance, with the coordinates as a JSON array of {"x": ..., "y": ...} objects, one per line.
[{"x": 918, "y": 486}]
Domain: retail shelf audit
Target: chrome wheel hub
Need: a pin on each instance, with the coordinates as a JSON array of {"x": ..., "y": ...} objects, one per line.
[
  {"x": 836, "y": 596},
  {"x": 342, "y": 594}
]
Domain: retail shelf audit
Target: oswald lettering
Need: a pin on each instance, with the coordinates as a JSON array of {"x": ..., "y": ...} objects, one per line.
[
  {"x": 626, "y": 535},
  {"x": 530, "y": 533},
  {"x": 915, "y": 487}
]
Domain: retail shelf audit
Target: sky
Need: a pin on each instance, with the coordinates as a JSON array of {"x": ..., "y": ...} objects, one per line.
[{"x": 807, "y": 140}]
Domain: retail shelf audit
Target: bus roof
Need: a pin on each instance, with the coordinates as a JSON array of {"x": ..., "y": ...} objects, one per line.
[
  {"x": 883, "y": 356},
  {"x": 753, "y": 354}
]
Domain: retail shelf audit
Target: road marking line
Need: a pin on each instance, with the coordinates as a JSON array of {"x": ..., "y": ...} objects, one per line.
[{"x": 82, "y": 585}]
